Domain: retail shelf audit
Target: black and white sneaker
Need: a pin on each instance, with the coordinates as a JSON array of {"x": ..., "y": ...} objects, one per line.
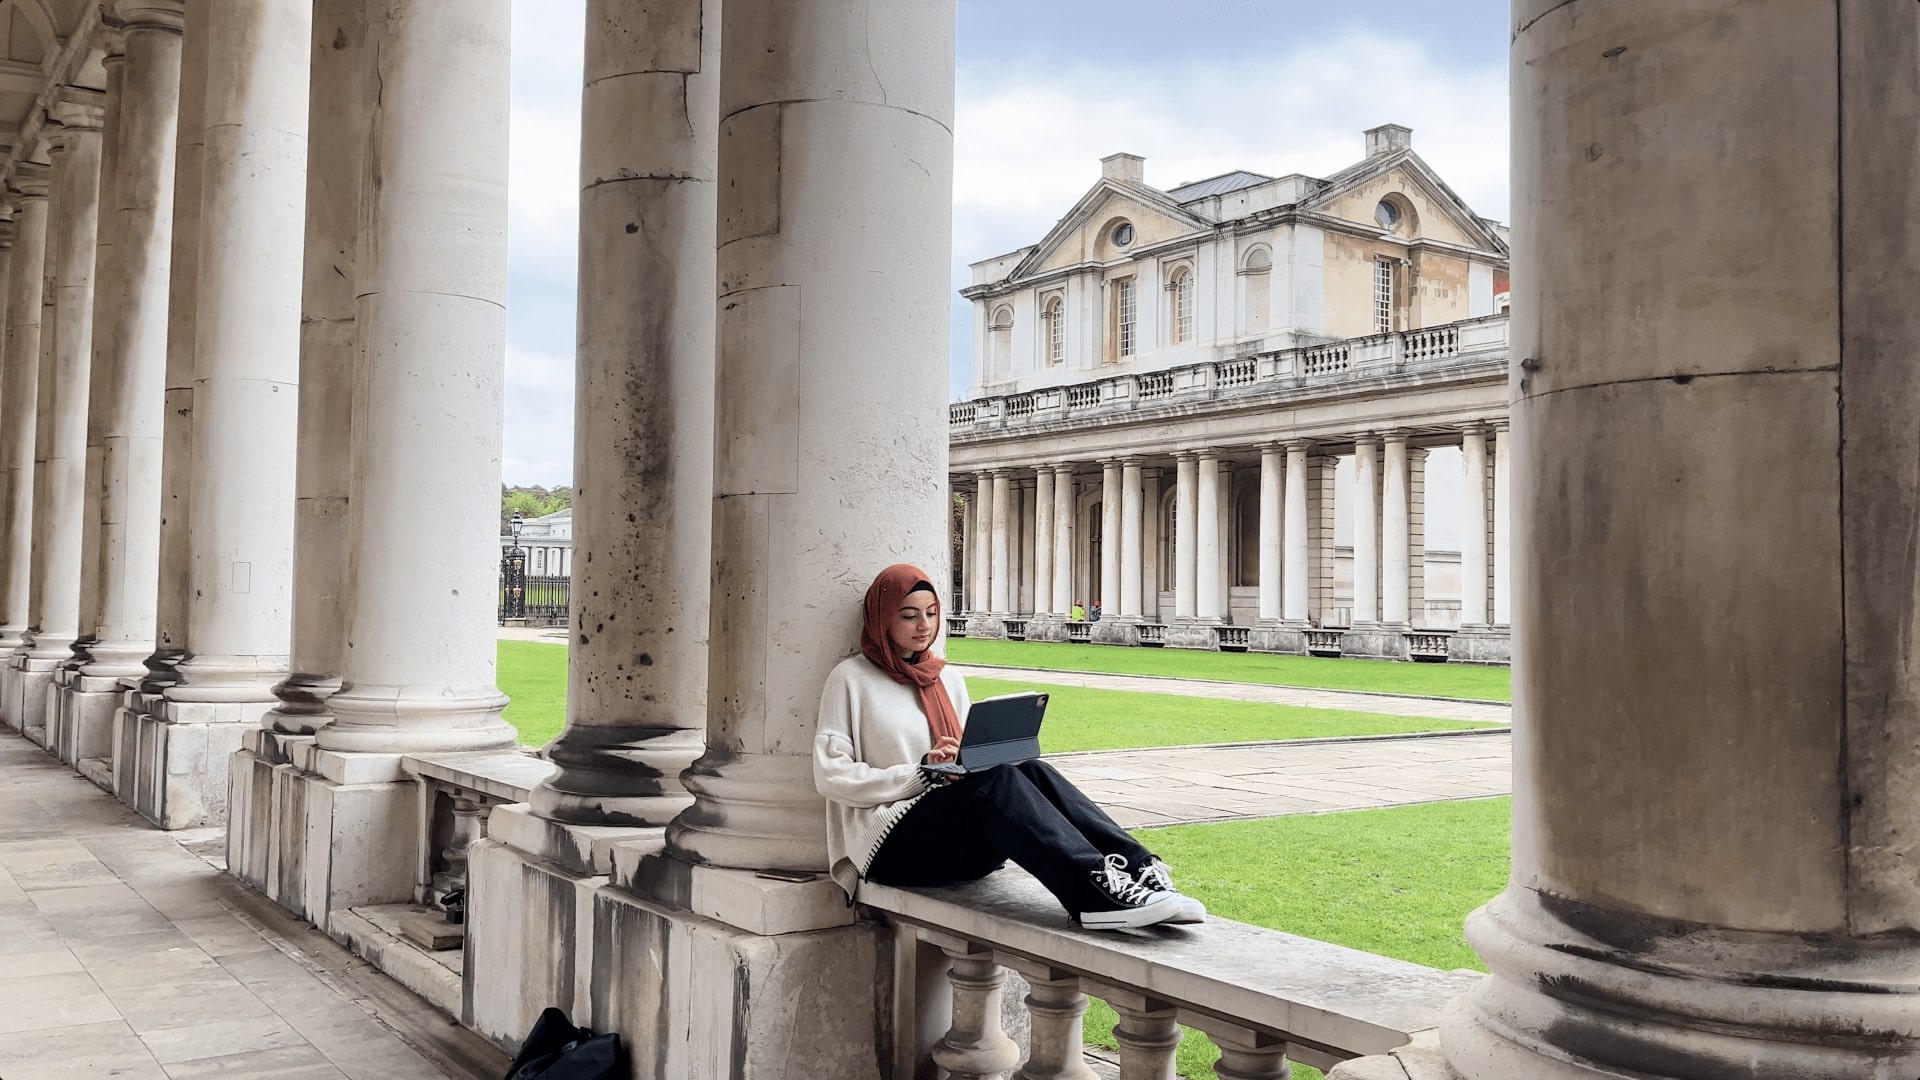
[
  {"x": 1127, "y": 904},
  {"x": 1155, "y": 875}
]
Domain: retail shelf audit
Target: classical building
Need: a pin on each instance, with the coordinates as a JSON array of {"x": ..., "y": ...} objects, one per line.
[
  {"x": 250, "y": 402},
  {"x": 546, "y": 540},
  {"x": 1166, "y": 386}
]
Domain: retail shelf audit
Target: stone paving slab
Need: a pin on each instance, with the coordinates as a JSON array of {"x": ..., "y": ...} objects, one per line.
[
  {"x": 1183, "y": 785},
  {"x": 1491, "y": 712},
  {"x": 124, "y": 954}
]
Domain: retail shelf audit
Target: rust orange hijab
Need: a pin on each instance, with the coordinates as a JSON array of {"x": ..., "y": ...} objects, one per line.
[{"x": 923, "y": 674}]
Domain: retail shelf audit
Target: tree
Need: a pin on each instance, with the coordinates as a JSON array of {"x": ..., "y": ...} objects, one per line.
[{"x": 532, "y": 502}]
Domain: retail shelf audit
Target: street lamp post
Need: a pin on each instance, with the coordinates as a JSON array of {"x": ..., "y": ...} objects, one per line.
[{"x": 513, "y": 579}]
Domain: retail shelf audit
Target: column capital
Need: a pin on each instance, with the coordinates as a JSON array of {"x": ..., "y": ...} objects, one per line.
[
  {"x": 112, "y": 42},
  {"x": 75, "y": 108},
  {"x": 1300, "y": 446},
  {"x": 168, "y": 15},
  {"x": 1475, "y": 427},
  {"x": 1185, "y": 455},
  {"x": 1367, "y": 438},
  {"x": 1131, "y": 462},
  {"x": 1394, "y": 435},
  {"x": 29, "y": 182}
]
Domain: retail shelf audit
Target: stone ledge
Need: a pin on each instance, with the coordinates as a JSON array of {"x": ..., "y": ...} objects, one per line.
[
  {"x": 373, "y": 933},
  {"x": 581, "y": 849},
  {"x": 507, "y": 775},
  {"x": 1328, "y": 997}
]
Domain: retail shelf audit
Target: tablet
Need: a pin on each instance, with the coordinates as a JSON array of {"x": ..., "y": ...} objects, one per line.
[{"x": 1002, "y": 731}]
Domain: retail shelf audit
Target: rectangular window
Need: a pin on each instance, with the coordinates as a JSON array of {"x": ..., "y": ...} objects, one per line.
[
  {"x": 1056, "y": 333},
  {"x": 1382, "y": 295},
  {"x": 1183, "y": 308},
  {"x": 1124, "y": 315}
]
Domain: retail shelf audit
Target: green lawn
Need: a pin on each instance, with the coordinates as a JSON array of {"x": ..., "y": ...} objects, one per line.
[
  {"x": 1080, "y": 719},
  {"x": 534, "y": 675},
  {"x": 1398, "y": 882},
  {"x": 1473, "y": 681}
]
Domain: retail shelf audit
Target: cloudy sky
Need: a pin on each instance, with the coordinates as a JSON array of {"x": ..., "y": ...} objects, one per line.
[{"x": 1047, "y": 88}]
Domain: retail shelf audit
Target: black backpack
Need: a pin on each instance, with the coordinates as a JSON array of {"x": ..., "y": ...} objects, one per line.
[{"x": 557, "y": 1050}]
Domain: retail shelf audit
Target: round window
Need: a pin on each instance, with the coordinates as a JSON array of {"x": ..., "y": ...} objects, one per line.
[
  {"x": 1387, "y": 214},
  {"x": 1122, "y": 234}
]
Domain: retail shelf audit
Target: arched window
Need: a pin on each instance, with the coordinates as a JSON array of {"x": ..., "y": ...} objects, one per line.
[
  {"x": 1181, "y": 288},
  {"x": 1056, "y": 332},
  {"x": 1000, "y": 337},
  {"x": 1256, "y": 275}
]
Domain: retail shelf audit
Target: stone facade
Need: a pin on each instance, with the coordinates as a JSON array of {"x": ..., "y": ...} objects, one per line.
[{"x": 1212, "y": 351}]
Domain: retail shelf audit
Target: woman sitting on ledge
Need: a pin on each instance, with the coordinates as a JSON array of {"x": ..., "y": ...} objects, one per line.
[{"x": 897, "y": 707}]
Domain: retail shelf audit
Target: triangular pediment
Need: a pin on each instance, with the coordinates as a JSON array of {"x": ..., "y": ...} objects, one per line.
[
  {"x": 1083, "y": 234},
  {"x": 1353, "y": 193}
]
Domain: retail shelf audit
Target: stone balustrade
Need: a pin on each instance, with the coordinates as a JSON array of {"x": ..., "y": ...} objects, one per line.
[
  {"x": 1470, "y": 341},
  {"x": 1264, "y": 997},
  {"x": 456, "y": 792}
]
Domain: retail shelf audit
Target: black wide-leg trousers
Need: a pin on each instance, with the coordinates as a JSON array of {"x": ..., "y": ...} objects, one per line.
[{"x": 1028, "y": 813}]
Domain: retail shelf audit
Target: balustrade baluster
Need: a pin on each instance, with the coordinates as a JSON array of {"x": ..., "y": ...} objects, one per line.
[
  {"x": 1246, "y": 1054},
  {"x": 975, "y": 1046},
  {"x": 1056, "y": 1049},
  {"x": 1149, "y": 1037}
]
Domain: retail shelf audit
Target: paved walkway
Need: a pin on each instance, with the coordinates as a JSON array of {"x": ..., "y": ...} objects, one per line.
[
  {"x": 1350, "y": 700},
  {"x": 1177, "y": 785},
  {"x": 124, "y": 954}
]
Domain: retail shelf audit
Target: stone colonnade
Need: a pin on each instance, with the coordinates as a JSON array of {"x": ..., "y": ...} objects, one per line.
[
  {"x": 1098, "y": 539},
  {"x": 254, "y": 353},
  {"x": 1715, "y": 865}
]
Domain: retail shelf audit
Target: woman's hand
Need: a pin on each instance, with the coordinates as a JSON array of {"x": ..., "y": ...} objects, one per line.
[{"x": 946, "y": 749}]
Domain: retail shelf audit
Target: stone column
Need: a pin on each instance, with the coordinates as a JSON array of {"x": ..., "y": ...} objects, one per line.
[
  {"x": 1502, "y": 526},
  {"x": 1366, "y": 530},
  {"x": 103, "y": 358},
  {"x": 1063, "y": 540},
  {"x": 643, "y": 428},
  {"x": 1208, "y": 603},
  {"x": 19, "y": 393},
  {"x": 340, "y": 119},
  {"x": 246, "y": 361},
  {"x": 431, "y": 318},
  {"x": 61, "y": 434},
  {"x": 1110, "y": 542},
  {"x": 982, "y": 565},
  {"x": 1296, "y": 591},
  {"x": 964, "y": 601},
  {"x": 1224, "y": 510},
  {"x": 1396, "y": 537},
  {"x": 1002, "y": 576},
  {"x": 1150, "y": 544},
  {"x": 1130, "y": 539},
  {"x": 836, "y": 154},
  {"x": 1271, "y": 502},
  {"x": 1043, "y": 524},
  {"x": 1717, "y": 514},
  {"x": 1473, "y": 548},
  {"x": 1186, "y": 508},
  {"x": 132, "y": 403},
  {"x": 1025, "y": 580},
  {"x": 183, "y": 286}
]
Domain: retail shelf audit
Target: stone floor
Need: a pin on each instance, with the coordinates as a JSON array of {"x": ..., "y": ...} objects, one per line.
[
  {"x": 1351, "y": 700},
  {"x": 1183, "y": 784},
  {"x": 123, "y": 953}
]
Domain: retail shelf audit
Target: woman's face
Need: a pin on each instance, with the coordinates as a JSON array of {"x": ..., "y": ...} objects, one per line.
[{"x": 913, "y": 626}]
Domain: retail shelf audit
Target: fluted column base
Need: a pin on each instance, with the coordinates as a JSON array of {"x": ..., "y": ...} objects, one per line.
[
  {"x": 1581, "y": 992},
  {"x": 414, "y": 720},
  {"x": 303, "y": 707},
  {"x": 618, "y": 776},
  {"x": 751, "y": 812}
]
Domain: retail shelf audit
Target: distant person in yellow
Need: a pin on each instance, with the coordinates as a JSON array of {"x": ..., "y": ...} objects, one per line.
[{"x": 1079, "y": 613}]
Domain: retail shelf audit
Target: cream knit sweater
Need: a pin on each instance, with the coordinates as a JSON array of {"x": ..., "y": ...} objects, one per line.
[{"x": 866, "y": 759}]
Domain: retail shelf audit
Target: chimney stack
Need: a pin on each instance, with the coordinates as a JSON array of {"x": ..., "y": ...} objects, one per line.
[
  {"x": 1388, "y": 139},
  {"x": 1131, "y": 167}
]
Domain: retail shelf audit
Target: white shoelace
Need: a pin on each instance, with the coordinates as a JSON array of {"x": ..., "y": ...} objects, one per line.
[
  {"x": 1154, "y": 876},
  {"x": 1121, "y": 884}
]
